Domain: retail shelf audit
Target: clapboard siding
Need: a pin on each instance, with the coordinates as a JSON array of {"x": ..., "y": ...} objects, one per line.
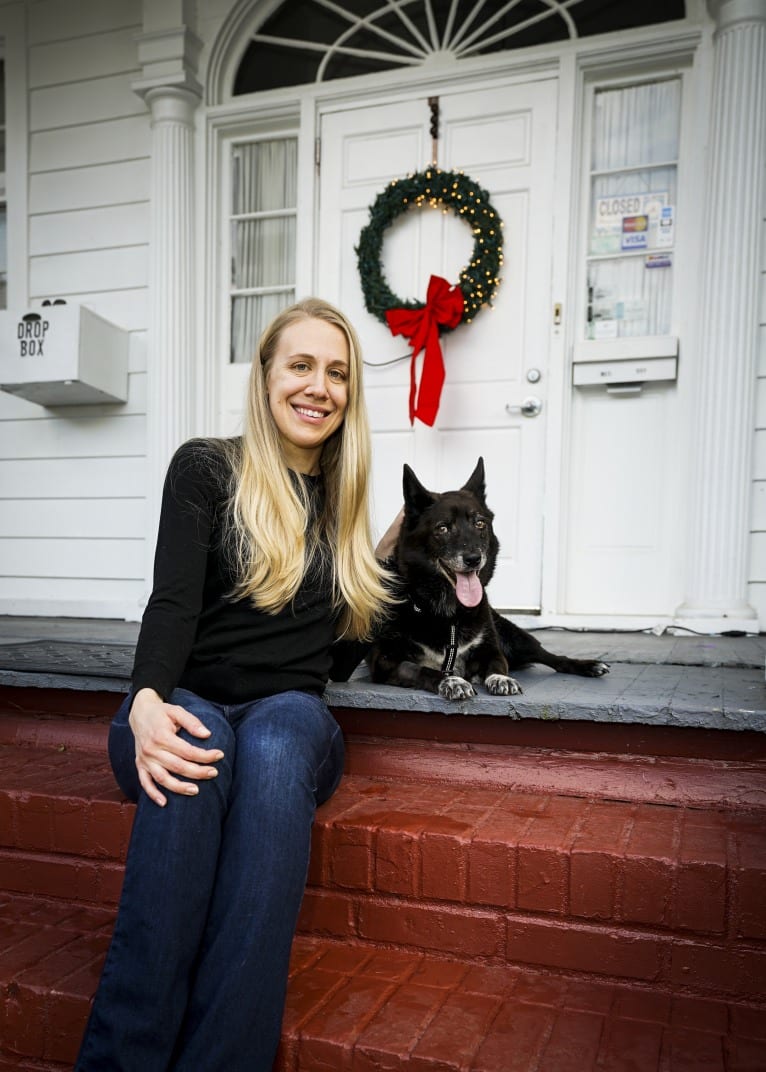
[
  {"x": 67, "y": 478},
  {"x": 98, "y": 56},
  {"x": 83, "y": 146},
  {"x": 52, "y": 557},
  {"x": 121, "y": 268},
  {"x": 128, "y": 308},
  {"x": 82, "y": 437},
  {"x": 72, "y": 494},
  {"x": 88, "y": 229},
  {"x": 90, "y": 102},
  {"x": 124, "y": 182},
  {"x": 73, "y": 597},
  {"x": 54, "y": 20},
  {"x": 70, "y": 518}
]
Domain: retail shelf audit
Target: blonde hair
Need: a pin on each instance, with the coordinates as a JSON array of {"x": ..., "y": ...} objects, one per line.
[{"x": 274, "y": 539}]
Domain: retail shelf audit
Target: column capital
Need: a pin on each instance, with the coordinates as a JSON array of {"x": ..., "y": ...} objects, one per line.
[
  {"x": 728, "y": 13},
  {"x": 168, "y": 59}
]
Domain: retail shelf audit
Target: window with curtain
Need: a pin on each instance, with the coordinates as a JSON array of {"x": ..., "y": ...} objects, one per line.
[
  {"x": 633, "y": 184},
  {"x": 262, "y": 228}
]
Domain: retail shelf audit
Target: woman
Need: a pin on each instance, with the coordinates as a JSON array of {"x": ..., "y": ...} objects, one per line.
[{"x": 263, "y": 557}]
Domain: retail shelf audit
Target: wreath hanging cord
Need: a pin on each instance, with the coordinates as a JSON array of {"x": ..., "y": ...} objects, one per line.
[{"x": 451, "y": 191}]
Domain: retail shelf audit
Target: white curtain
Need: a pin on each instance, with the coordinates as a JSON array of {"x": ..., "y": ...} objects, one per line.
[
  {"x": 264, "y": 198},
  {"x": 633, "y": 155}
]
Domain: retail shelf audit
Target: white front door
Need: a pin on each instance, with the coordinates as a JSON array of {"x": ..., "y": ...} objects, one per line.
[{"x": 502, "y": 137}]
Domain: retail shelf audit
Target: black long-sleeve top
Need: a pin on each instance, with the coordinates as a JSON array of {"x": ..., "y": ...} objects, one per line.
[{"x": 194, "y": 635}]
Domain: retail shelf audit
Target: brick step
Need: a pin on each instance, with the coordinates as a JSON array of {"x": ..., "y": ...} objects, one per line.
[
  {"x": 672, "y": 895},
  {"x": 364, "y": 1008}
]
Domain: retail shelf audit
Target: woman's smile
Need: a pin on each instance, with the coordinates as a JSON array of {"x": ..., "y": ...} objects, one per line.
[{"x": 307, "y": 381}]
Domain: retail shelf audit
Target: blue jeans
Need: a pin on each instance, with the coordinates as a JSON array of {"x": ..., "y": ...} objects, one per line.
[{"x": 195, "y": 976}]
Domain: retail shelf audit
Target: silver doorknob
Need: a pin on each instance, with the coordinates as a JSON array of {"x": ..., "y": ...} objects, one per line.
[{"x": 530, "y": 407}]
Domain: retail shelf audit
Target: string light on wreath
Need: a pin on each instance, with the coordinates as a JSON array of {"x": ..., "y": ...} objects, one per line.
[{"x": 450, "y": 191}]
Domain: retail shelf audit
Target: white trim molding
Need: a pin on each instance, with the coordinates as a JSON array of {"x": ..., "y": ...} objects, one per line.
[{"x": 716, "y": 581}]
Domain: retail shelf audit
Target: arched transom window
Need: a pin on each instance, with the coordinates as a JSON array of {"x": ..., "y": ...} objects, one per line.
[{"x": 318, "y": 40}]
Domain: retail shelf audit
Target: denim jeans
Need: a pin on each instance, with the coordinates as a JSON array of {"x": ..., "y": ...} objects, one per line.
[{"x": 195, "y": 976}]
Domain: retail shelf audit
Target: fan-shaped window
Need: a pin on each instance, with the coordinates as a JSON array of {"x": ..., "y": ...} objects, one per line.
[{"x": 319, "y": 40}]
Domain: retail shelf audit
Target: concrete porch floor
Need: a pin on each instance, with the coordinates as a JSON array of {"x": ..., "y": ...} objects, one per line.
[{"x": 683, "y": 680}]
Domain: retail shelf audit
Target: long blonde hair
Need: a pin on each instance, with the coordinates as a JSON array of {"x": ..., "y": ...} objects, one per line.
[{"x": 273, "y": 537}]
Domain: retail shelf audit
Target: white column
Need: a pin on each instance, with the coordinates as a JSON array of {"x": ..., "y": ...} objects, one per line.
[
  {"x": 170, "y": 355},
  {"x": 725, "y": 364}
]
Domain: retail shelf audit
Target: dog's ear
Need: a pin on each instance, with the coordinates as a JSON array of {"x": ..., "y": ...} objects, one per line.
[
  {"x": 475, "y": 483},
  {"x": 416, "y": 497}
]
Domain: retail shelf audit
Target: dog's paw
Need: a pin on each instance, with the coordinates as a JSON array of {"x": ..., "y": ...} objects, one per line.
[
  {"x": 502, "y": 685},
  {"x": 596, "y": 668},
  {"x": 453, "y": 687}
]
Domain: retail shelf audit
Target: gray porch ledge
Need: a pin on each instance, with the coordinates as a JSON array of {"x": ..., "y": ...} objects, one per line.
[{"x": 680, "y": 681}]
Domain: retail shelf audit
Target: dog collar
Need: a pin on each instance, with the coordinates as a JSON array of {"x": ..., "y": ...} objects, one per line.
[{"x": 451, "y": 654}]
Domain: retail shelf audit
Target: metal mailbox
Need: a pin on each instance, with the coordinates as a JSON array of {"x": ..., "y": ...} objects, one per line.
[{"x": 63, "y": 355}]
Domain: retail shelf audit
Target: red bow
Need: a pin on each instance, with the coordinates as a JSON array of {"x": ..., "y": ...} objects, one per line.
[{"x": 444, "y": 305}]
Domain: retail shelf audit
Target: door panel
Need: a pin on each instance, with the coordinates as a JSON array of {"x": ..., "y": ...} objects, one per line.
[{"x": 504, "y": 139}]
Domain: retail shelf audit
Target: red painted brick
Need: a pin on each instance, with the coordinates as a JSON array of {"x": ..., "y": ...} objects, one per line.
[
  {"x": 574, "y": 1043},
  {"x": 595, "y": 860},
  {"x": 460, "y": 933},
  {"x": 648, "y": 868},
  {"x": 307, "y": 993},
  {"x": 631, "y": 1046},
  {"x": 693, "y": 1051},
  {"x": 389, "y": 1038},
  {"x": 444, "y": 859},
  {"x": 718, "y": 969},
  {"x": 543, "y": 865},
  {"x": 515, "y": 1039},
  {"x": 701, "y": 1014},
  {"x": 454, "y": 1035},
  {"x": 397, "y": 852},
  {"x": 349, "y": 857},
  {"x": 746, "y": 1055},
  {"x": 492, "y": 859},
  {"x": 328, "y": 1038},
  {"x": 324, "y": 913},
  {"x": 602, "y": 951},
  {"x": 749, "y": 908}
]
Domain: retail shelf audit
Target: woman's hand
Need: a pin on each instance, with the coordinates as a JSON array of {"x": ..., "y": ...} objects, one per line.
[
  {"x": 161, "y": 754},
  {"x": 387, "y": 543}
]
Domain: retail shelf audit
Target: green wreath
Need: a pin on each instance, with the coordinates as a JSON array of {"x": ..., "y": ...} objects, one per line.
[{"x": 450, "y": 190}]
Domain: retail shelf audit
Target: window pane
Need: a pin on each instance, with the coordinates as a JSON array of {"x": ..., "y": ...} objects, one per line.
[
  {"x": 264, "y": 176},
  {"x": 264, "y": 252},
  {"x": 636, "y": 125},
  {"x": 263, "y": 229},
  {"x": 627, "y": 297},
  {"x": 632, "y": 209},
  {"x": 250, "y": 315}
]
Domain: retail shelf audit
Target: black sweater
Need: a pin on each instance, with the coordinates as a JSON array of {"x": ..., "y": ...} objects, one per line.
[{"x": 194, "y": 635}]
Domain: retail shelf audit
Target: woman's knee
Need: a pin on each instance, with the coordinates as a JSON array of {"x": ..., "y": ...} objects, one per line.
[{"x": 292, "y": 736}]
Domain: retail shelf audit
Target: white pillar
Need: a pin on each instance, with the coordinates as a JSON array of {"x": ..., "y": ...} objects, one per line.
[
  {"x": 168, "y": 53},
  {"x": 170, "y": 357},
  {"x": 725, "y": 364}
]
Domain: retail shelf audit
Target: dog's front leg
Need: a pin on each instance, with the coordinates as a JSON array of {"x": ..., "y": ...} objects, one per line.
[{"x": 494, "y": 673}]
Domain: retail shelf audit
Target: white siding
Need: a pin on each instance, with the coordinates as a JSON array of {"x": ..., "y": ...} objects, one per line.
[
  {"x": 757, "y": 586},
  {"x": 71, "y": 479}
]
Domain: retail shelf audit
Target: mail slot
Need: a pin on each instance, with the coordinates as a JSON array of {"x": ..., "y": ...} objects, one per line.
[
  {"x": 63, "y": 355},
  {"x": 644, "y": 370}
]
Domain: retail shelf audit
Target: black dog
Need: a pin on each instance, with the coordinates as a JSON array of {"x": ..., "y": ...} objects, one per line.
[{"x": 444, "y": 634}]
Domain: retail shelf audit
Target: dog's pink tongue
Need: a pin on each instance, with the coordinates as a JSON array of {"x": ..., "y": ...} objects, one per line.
[{"x": 468, "y": 589}]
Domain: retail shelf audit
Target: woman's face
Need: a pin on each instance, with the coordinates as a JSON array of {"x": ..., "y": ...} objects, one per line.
[{"x": 307, "y": 384}]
